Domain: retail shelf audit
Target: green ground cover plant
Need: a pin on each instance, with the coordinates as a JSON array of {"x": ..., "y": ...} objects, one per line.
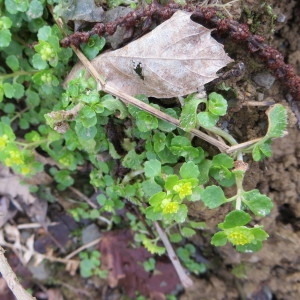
[{"x": 165, "y": 171}]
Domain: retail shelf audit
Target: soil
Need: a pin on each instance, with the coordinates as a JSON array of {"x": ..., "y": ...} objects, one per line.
[{"x": 273, "y": 272}]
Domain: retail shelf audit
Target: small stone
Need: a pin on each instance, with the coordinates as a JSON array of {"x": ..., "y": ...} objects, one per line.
[
  {"x": 264, "y": 79},
  {"x": 90, "y": 233},
  {"x": 281, "y": 18}
]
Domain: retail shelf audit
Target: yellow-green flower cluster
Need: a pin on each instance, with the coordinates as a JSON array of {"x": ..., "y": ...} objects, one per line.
[
  {"x": 3, "y": 141},
  {"x": 15, "y": 157},
  {"x": 240, "y": 236},
  {"x": 183, "y": 189},
  {"x": 170, "y": 208}
]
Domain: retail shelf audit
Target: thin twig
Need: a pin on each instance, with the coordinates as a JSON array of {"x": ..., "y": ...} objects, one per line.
[
  {"x": 242, "y": 145},
  {"x": 184, "y": 278},
  {"x": 11, "y": 279},
  {"x": 95, "y": 242}
]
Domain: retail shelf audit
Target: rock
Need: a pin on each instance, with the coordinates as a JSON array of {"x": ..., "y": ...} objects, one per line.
[
  {"x": 264, "y": 79},
  {"x": 90, "y": 233}
]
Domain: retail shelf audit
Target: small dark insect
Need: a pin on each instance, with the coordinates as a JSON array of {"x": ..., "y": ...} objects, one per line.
[{"x": 139, "y": 70}]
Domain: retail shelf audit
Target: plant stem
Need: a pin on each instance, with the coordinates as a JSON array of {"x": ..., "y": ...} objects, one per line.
[
  {"x": 16, "y": 74},
  {"x": 220, "y": 132}
]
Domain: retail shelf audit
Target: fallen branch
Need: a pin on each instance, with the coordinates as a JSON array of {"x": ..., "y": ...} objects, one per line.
[{"x": 11, "y": 279}]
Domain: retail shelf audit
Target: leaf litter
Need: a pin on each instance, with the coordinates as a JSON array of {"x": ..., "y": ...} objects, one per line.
[{"x": 175, "y": 59}]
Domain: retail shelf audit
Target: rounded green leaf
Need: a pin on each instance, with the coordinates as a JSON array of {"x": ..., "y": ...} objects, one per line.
[
  {"x": 217, "y": 105},
  {"x": 152, "y": 168},
  {"x": 219, "y": 239},
  {"x": 8, "y": 90},
  {"x": 35, "y": 9},
  {"x": 249, "y": 248},
  {"x": 236, "y": 218},
  {"x": 5, "y": 38},
  {"x": 207, "y": 119},
  {"x": 213, "y": 196},
  {"x": 146, "y": 122},
  {"x": 189, "y": 170},
  {"x": 13, "y": 62},
  {"x": 258, "y": 203},
  {"x": 187, "y": 232},
  {"x": 222, "y": 160},
  {"x": 38, "y": 63}
]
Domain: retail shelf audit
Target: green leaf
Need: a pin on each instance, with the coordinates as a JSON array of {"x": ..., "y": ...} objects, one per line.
[
  {"x": 159, "y": 141},
  {"x": 19, "y": 90},
  {"x": 261, "y": 150},
  {"x": 258, "y": 203},
  {"x": 8, "y": 90},
  {"x": 63, "y": 178},
  {"x": 180, "y": 141},
  {"x": 175, "y": 237},
  {"x": 5, "y": 38},
  {"x": 152, "y": 214},
  {"x": 181, "y": 215},
  {"x": 38, "y": 63},
  {"x": 259, "y": 234},
  {"x": 217, "y": 105},
  {"x": 219, "y": 239},
  {"x": 157, "y": 199},
  {"x": 13, "y": 62},
  {"x": 197, "y": 225},
  {"x": 85, "y": 133},
  {"x": 5, "y": 23},
  {"x": 250, "y": 248},
  {"x": 235, "y": 218},
  {"x": 113, "y": 104},
  {"x": 35, "y": 9},
  {"x": 222, "y": 160},
  {"x": 150, "y": 187},
  {"x": 133, "y": 160},
  {"x": 94, "y": 45},
  {"x": 14, "y": 6},
  {"x": 277, "y": 116},
  {"x": 189, "y": 170},
  {"x": 187, "y": 232},
  {"x": 170, "y": 182},
  {"x": 213, "y": 196},
  {"x": 146, "y": 122},
  {"x": 188, "y": 115},
  {"x": 207, "y": 119},
  {"x": 166, "y": 126},
  {"x": 9, "y": 108},
  {"x": 152, "y": 168},
  {"x": 44, "y": 33}
]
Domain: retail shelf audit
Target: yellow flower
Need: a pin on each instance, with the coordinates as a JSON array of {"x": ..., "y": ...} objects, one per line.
[
  {"x": 15, "y": 158},
  {"x": 25, "y": 170},
  {"x": 240, "y": 236},
  {"x": 183, "y": 189},
  {"x": 3, "y": 141},
  {"x": 171, "y": 208}
]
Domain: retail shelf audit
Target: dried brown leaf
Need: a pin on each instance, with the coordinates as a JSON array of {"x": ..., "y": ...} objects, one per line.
[
  {"x": 12, "y": 187},
  {"x": 175, "y": 59},
  {"x": 125, "y": 267}
]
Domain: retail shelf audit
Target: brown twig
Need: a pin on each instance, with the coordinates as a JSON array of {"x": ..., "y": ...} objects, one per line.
[
  {"x": 184, "y": 278},
  {"x": 11, "y": 279}
]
